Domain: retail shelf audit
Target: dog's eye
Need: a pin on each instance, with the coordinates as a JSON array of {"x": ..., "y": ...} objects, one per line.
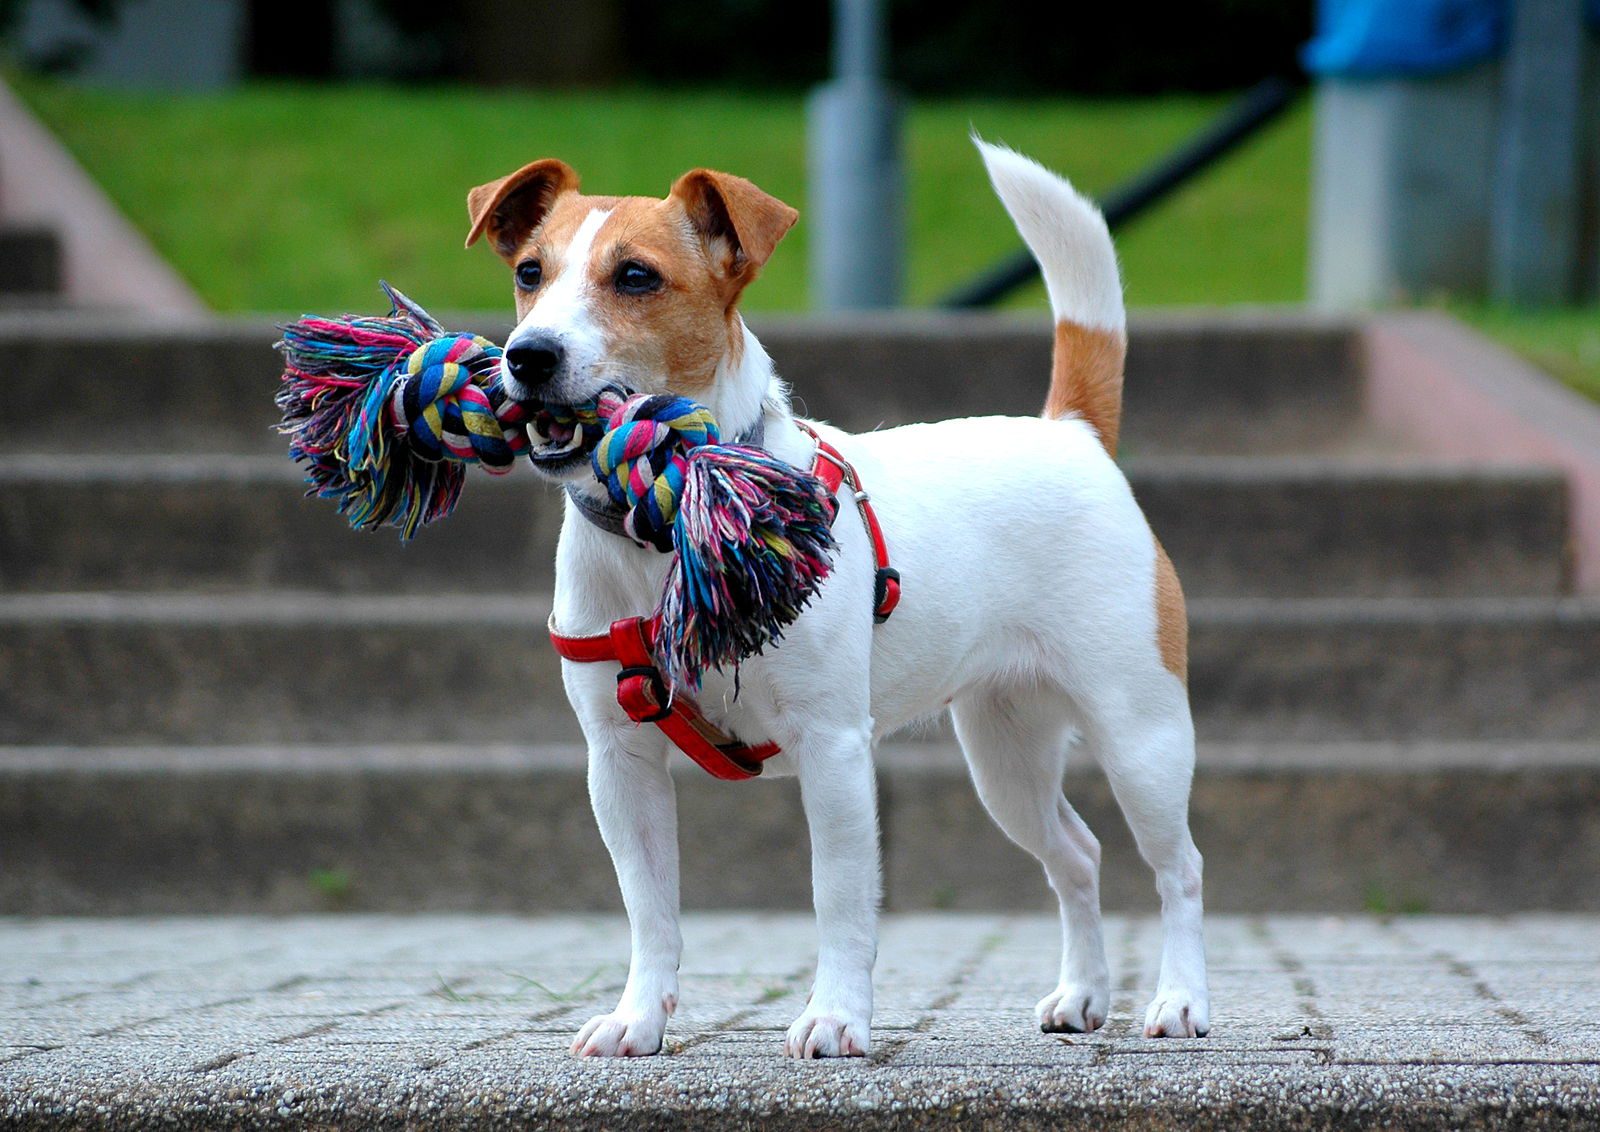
[
  {"x": 635, "y": 278},
  {"x": 529, "y": 274}
]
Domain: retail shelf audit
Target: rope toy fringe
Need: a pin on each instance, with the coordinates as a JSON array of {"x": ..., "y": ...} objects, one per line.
[{"x": 386, "y": 413}]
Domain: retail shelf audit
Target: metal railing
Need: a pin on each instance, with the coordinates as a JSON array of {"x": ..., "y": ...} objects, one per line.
[{"x": 1257, "y": 108}]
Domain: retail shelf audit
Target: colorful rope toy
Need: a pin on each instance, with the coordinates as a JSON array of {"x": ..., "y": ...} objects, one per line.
[
  {"x": 387, "y": 413},
  {"x": 753, "y": 535}
]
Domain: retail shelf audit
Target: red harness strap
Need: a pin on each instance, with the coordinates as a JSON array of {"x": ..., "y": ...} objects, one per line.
[
  {"x": 643, "y": 695},
  {"x": 641, "y": 691},
  {"x": 833, "y": 469}
]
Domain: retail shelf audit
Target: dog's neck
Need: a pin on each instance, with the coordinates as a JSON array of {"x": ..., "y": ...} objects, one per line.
[
  {"x": 746, "y": 394},
  {"x": 602, "y": 575}
]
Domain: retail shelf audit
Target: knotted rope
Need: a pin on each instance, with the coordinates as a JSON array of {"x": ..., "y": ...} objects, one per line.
[
  {"x": 753, "y": 534},
  {"x": 386, "y": 414},
  {"x": 643, "y": 459}
]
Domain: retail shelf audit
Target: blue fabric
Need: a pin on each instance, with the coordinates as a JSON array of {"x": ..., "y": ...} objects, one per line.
[
  {"x": 1395, "y": 38},
  {"x": 1370, "y": 38}
]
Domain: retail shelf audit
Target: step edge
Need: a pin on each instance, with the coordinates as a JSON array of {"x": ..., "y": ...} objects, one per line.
[
  {"x": 1267, "y": 472},
  {"x": 270, "y": 607},
  {"x": 896, "y": 759}
]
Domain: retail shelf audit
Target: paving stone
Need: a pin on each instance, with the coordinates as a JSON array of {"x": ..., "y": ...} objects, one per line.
[{"x": 1319, "y": 1022}]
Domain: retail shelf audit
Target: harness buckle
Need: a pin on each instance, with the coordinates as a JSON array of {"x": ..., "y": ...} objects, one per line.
[
  {"x": 885, "y": 593},
  {"x": 642, "y": 694}
]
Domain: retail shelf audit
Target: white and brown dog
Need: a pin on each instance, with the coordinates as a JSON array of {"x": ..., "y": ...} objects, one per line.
[{"x": 1038, "y": 605}]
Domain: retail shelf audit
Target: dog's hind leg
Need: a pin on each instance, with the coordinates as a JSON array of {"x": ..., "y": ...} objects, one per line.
[
  {"x": 1147, "y": 752},
  {"x": 1016, "y": 745}
]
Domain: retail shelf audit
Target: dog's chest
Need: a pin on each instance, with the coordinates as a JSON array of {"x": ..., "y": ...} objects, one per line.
[{"x": 602, "y": 578}]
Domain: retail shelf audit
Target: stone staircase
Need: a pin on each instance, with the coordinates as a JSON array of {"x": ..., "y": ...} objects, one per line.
[{"x": 214, "y": 696}]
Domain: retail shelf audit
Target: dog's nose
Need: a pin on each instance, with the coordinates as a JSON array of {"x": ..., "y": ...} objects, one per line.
[{"x": 534, "y": 361}]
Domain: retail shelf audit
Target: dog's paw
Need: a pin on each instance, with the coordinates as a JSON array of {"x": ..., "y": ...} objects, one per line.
[
  {"x": 820, "y": 1032},
  {"x": 1073, "y": 1008},
  {"x": 621, "y": 1035},
  {"x": 1177, "y": 1013}
]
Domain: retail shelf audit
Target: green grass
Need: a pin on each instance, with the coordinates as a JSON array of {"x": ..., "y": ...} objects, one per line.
[
  {"x": 280, "y": 197},
  {"x": 334, "y": 887}
]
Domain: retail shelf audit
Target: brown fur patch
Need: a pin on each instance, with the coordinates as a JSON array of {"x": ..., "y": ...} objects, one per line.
[
  {"x": 508, "y": 209},
  {"x": 1172, "y": 618},
  {"x": 740, "y": 224},
  {"x": 548, "y": 242},
  {"x": 687, "y": 326},
  {"x": 1086, "y": 378}
]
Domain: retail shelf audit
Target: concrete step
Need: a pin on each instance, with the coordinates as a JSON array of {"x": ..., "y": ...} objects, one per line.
[
  {"x": 30, "y": 262},
  {"x": 33, "y": 305},
  {"x": 1306, "y": 527},
  {"x": 1385, "y": 827},
  {"x": 1235, "y": 527},
  {"x": 298, "y": 667},
  {"x": 1229, "y": 382}
]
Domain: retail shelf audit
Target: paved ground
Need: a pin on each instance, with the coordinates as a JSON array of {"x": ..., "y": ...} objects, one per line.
[{"x": 464, "y": 1021}]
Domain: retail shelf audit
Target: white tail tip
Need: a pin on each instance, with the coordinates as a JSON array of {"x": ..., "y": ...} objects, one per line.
[{"x": 1066, "y": 234}]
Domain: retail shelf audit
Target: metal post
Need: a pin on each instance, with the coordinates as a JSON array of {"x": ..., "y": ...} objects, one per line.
[
  {"x": 1534, "y": 214},
  {"x": 854, "y": 170}
]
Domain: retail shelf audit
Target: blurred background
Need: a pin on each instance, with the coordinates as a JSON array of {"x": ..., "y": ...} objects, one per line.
[
  {"x": 323, "y": 140},
  {"x": 1361, "y": 243},
  {"x": 327, "y": 142},
  {"x": 318, "y": 136}
]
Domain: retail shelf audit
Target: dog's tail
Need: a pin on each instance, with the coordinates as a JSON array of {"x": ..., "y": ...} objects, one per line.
[{"x": 1068, "y": 236}]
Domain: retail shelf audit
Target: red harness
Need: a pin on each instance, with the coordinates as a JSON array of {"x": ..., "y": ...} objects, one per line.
[{"x": 642, "y": 692}]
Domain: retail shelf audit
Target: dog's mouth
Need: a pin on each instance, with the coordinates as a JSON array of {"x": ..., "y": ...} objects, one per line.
[
  {"x": 552, "y": 436},
  {"x": 557, "y": 442},
  {"x": 562, "y": 436}
]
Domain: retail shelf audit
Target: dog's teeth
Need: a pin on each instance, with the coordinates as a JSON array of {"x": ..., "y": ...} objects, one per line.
[{"x": 532, "y": 434}]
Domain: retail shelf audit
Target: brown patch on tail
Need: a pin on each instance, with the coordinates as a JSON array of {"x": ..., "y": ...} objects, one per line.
[
  {"x": 1086, "y": 378},
  {"x": 1172, "y": 619}
]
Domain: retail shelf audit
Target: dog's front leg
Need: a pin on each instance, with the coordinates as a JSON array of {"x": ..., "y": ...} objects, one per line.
[
  {"x": 839, "y": 794},
  {"x": 637, "y": 811}
]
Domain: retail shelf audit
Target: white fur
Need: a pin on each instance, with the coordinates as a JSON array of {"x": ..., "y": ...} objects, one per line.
[
  {"x": 1066, "y": 234},
  {"x": 562, "y": 310},
  {"x": 1029, "y": 608}
]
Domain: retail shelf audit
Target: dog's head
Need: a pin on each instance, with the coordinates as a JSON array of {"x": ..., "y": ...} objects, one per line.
[{"x": 633, "y": 292}]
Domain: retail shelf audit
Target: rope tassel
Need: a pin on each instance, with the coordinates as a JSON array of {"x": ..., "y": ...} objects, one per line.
[{"x": 385, "y": 413}]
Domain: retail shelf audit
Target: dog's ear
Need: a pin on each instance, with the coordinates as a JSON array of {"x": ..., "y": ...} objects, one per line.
[
  {"x": 740, "y": 224},
  {"x": 508, "y": 209}
]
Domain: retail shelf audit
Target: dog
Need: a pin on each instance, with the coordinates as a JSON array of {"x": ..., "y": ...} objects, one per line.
[{"x": 1039, "y": 608}]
